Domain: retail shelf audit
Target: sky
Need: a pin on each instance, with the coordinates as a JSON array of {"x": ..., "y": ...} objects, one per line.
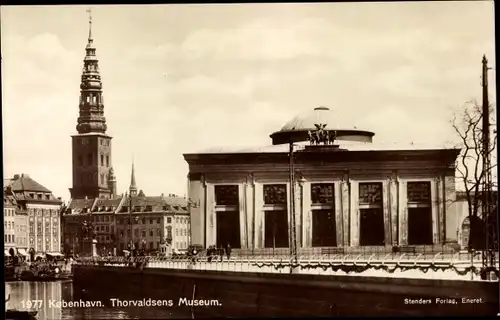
[{"x": 181, "y": 78}]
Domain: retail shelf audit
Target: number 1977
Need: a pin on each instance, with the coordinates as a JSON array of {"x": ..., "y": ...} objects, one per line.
[{"x": 31, "y": 304}]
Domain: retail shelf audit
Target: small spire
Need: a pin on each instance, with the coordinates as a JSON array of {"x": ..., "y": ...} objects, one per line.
[
  {"x": 89, "y": 11},
  {"x": 133, "y": 187}
]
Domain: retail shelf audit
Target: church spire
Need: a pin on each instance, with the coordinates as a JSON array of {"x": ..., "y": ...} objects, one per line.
[
  {"x": 133, "y": 187},
  {"x": 91, "y": 119},
  {"x": 89, "y": 11}
]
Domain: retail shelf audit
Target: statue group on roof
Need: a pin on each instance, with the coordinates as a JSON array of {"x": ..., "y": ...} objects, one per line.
[{"x": 322, "y": 136}]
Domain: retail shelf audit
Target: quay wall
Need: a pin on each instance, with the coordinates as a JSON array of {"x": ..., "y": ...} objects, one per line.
[{"x": 246, "y": 294}]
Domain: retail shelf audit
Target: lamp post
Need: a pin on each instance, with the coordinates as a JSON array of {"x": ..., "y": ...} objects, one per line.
[
  {"x": 293, "y": 236},
  {"x": 130, "y": 225}
]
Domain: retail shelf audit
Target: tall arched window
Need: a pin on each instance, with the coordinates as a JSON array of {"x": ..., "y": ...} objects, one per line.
[{"x": 102, "y": 160}]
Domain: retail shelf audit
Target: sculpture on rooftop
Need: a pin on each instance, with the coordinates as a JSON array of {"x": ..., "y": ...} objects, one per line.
[{"x": 322, "y": 136}]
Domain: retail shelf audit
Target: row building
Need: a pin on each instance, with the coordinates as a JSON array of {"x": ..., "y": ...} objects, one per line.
[
  {"x": 320, "y": 186},
  {"x": 96, "y": 212},
  {"x": 32, "y": 220}
]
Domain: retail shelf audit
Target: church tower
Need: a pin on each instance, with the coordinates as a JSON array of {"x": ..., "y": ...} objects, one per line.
[{"x": 91, "y": 146}]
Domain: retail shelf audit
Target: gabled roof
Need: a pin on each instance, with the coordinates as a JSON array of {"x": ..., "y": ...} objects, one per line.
[
  {"x": 156, "y": 203},
  {"x": 23, "y": 182},
  {"x": 147, "y": 204}
]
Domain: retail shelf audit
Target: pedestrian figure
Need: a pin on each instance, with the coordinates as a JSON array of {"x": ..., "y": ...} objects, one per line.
[{"x": 228, "y": 251}]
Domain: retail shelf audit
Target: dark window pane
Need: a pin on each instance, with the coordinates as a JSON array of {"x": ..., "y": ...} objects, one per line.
[
  {"x": 226, "y": 195},
  {"x": 275, "y": 194},
  {"x": 322, "y": 193},
  {"x": 228, "y": 229},
  {"x": 419, "y": 191},
  {"x": 419, "y": 226},
  {"x": 324, "y": 228},
  {"x": 276, "y": 229},
  {"x": 370, "y": 193},
  {"x": 371, "y": 227}
]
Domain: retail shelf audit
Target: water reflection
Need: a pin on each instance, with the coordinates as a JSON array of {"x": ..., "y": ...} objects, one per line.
[{"x": 45, "y": 296}]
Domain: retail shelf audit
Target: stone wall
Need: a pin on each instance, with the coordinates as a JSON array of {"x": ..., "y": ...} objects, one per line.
[{"x": 286, "y": 295}]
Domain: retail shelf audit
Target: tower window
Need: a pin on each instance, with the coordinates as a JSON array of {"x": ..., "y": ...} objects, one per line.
[
  {"x": 102, "y": 159},
  {"x": 107, "y": 161},
  {"x": 102, "y": 178},
  {"x": 94, "y": 99},
  {"x": 88, "y": 99}
]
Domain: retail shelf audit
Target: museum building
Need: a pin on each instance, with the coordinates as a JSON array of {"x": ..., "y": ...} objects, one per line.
[{"x": 346, "y": 191}]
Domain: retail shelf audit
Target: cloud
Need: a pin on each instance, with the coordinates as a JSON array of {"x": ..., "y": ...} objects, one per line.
[{"x": 233, "y": 81}]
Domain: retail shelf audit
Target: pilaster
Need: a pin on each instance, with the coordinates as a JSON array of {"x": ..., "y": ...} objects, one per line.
[
  {"x": 243, "y": 214},
  {"x": 307, "y": 215},
  {"x": 339, "y": 221},
  {"x": 211, "y": 219},
  {"x": 354, "y": 214},
  {"x": 387, "y": 212},
  {"x": 403, "y": 213},
  {"x": 346, "y": 213},
  {"x": 393, "y": 207},
  {"x": 441, "y": 203},
  {"x": 249, "y": 210},
  {"x": 259, "y": 215},
  {"x": 298, "y": 211},
  {"x": 435, "y": 209},
  {"x": 451, "y": 216}
]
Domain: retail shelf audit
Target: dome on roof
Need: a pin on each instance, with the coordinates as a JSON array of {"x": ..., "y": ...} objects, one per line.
[
  {"x": 307, "y": 120},
  {"x": 297, "y": 129}
]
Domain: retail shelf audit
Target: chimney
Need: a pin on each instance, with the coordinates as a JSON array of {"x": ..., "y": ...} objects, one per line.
[
  {"x": 162, "y": 195},
  {"x": 16, "y": 176},
  {"x": 25, "y": 175}
]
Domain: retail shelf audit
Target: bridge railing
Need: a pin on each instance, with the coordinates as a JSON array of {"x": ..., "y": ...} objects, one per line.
[{"x": 246, "y": 262}]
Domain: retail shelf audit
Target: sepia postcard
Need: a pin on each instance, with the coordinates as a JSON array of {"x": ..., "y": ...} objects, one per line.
[{"x": 250, "y": 160}]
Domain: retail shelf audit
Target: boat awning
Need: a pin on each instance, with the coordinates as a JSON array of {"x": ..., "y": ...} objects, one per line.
[
  {"x": 54, "y": 254},
  {"x": 22, "y": 252}
]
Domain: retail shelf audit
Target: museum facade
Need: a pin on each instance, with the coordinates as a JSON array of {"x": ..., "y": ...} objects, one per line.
[{"x": 321, "y": 186}]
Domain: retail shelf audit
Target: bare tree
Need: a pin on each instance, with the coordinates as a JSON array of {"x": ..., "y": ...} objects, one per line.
[{"x": 469, "y": 167}]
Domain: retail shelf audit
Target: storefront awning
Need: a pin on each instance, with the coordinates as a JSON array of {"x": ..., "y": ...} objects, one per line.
[
  {"x": 6, "y": 253},
  {"x": 22, "y": 252},
  {"x": 39, "y": 255}
]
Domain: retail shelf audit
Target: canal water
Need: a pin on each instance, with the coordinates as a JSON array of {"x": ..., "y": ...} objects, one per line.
[{"x": 47, "y": 298}]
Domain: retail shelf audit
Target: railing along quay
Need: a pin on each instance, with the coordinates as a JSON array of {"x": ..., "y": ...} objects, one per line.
[{"x": 362, "y": 263}]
